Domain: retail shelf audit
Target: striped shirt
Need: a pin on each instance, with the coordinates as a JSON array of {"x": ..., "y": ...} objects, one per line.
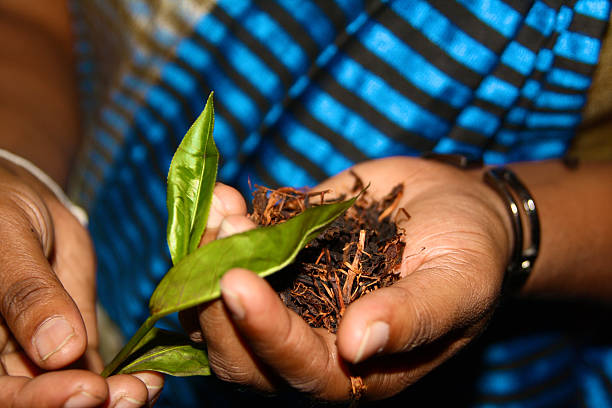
[{"x": 305, "y": 89}]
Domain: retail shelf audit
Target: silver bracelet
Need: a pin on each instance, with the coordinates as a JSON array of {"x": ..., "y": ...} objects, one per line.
[{"x": 34, "y": 170}]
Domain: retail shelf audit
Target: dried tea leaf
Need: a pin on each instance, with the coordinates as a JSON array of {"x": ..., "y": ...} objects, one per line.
[{"x": 191, "y": 180}]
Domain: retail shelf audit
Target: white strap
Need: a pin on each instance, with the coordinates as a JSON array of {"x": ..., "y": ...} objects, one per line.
[{"x": 77, "y": 211}]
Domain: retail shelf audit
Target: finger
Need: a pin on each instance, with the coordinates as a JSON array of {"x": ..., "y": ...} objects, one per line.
[
  {"x": 40, "y": 314},
  {"x": 226, "y": 201},
  {"x": 154, "y": 382},
  {"x": 17, "y": 364},
  {"x": 231, "y": 224},
  {"x": 71, "y": 388},
  {"x": 419, "y": 309},
  {"x": 126, "y": 391},
  {"x": 303, "y": 357},
  {"x": 74, "y": 264}
]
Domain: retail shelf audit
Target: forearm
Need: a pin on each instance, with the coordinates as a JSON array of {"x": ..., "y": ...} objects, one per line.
[
  {"x": 575, "y": 257},
  {"x": 39, "y": 108}
]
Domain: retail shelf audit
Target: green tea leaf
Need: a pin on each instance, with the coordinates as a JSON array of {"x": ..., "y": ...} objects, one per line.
[
  {"x": 195, "y": 279},
  {"x": 191, "y": 180},
  {"x": 168, "y": 353}
]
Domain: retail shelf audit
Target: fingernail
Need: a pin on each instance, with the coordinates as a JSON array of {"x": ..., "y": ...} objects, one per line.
[
  {"x": 233, "y": 303},
  {"x": 152, "y": 390},
  {"x": 83, "y": 399},
  {"x": 226, "y": 229},
  {"x": 216, "y": 214},
  {"x": 127, "y": 402},
  {"x": 373, "y": 341},
  {"x": 51, "y": 336}
]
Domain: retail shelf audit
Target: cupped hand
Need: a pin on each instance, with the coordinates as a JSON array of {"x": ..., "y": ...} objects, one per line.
[
  {"x": 458, "y": 242},
  {"x": 47, "y": 306}
]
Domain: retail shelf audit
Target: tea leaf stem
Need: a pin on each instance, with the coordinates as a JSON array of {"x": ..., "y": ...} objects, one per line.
[{"x": 130, "y": 346}]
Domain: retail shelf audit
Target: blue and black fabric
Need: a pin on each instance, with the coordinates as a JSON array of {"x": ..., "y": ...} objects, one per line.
[{"x": 303, "y": 90}]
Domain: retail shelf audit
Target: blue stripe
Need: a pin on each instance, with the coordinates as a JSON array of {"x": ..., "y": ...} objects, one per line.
[
  {"x": 152, "y": 130},
  {"x": 564, "y": 18},
  {"x": 315, "y": 148},
  {"x": 351, "y": 126},
  {"x": 519, "y": 57},
  {"x": 351, "y": 8},
  {"x": 568, "y": 79},
  {"x": 599, "y": 9},
  {"x": 497, "y": 91},
  {"x": 505, "y": 382},
  {"x": 531, "y": 89},
  {"x": 595, "y": 393},
  {"x": 85, "y": 67},
  {"x": 107, "y": 141},
  {"x": 233, "y": 98},
  {"x": 314, "y": 21},
  {"x": 229, "y": 169},
  {"x": 559, "y": 101},
  {"x": 247, "y": 63},
  {"x": 385, "y": 99},
  {"x": 286, "y": 172},
  {"x": 478, "y": 120},
  {"x": 557, "y": 396},
  {"x": 517, "y": 115},
  {"x": 452, "y": 146},
  {"x": 535, "y": 135},
  {"x": 537, "y": 119},
  {"x": 506, "y": 138},
  {"x": 493, "y": 158},
  {"x": 115, "y": 120},
  {"x": 541, "y": 18},
  {"x": 125, "y": 102},
  {"x": 163, "y": 37},
  {"x": 268, "y": 32},
  {"x": 180, "y": 80},
  {"x": 520, "y": 347},
  {"x": 578, "y": 47},
  {"x": 496, "y": 14},
  {"x": 442, "y": 32},
  {"x": 544, "y": 59},
  {"x": 414, "y": 67},
  {"x": 166, "y": 105}
]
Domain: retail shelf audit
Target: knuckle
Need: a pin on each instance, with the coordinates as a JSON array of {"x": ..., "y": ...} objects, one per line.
[
  {"x": 422, "y": 329},
  {"x": 229, "y": 370},
  {"x": 23, "y": 295}
]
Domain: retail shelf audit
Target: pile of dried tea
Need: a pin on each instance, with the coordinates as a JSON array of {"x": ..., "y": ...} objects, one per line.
[{"x": 360, "y": 252}]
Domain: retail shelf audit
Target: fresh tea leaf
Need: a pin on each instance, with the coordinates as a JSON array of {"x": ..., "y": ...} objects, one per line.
[
  {"x": 195, "y": 279},
  {"x": 191, "y": 181},
  {"x": 168, "y": 353}
]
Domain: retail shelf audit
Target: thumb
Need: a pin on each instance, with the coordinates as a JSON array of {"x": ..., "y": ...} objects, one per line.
[
  {"x": 41, "y": 316},
  {"x": 420, "y": 309}
]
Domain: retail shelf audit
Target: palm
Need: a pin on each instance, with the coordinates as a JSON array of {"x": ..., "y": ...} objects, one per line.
[{"x": 456, "y": 248}]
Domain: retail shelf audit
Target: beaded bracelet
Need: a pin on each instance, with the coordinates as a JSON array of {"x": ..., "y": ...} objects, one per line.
[{"x": 509, "y": 187}]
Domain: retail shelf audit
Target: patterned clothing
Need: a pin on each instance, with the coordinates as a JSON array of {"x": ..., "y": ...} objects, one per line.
[{"x": 303, "y": 90}]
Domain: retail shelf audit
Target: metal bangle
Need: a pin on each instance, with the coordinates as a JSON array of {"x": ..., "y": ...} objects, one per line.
[{"x": 508, "y": 185}]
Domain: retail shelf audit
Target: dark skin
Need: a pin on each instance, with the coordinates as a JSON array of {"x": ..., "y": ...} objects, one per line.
[
  {"x": 47, "y": 265},
  {"x": 444, "y": 299}
]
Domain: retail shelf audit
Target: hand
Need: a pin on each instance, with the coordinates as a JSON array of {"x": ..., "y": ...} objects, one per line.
[
  {"x": 457, "y": 246},
  {"x": 47, "y": 306}
]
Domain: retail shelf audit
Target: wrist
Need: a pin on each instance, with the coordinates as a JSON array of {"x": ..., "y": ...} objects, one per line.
[{"x": 514, "y": 208}]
